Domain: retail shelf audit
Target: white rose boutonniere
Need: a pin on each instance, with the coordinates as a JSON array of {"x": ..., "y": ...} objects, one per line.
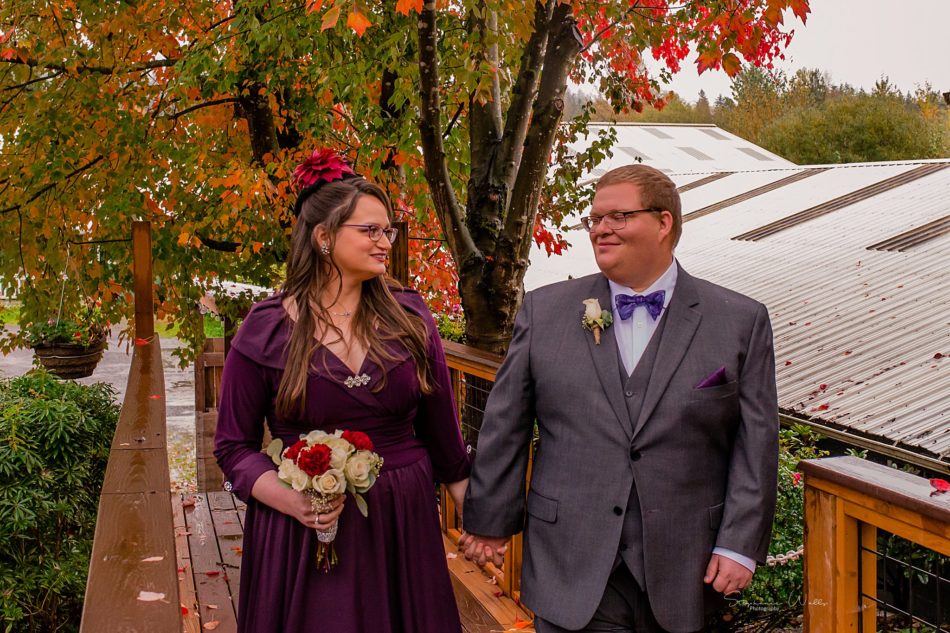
[{"x": 595, "y": 319}]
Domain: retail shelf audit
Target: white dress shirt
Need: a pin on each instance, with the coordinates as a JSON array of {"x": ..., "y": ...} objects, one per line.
[{"x": 634, "y": 334}]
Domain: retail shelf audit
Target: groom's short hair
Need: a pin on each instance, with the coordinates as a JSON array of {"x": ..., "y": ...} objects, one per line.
[{"x": 656, "y": 190}]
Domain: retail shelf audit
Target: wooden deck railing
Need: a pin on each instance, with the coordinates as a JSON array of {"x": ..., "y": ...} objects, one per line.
[
  {"x": 468, "y": 367},
  {"x": 133, "y": 579},
  {"x": 847, "y": 500}
]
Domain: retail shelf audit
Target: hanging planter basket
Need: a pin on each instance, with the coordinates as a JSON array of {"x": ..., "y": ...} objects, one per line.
[{"x": 70, "y": 360}]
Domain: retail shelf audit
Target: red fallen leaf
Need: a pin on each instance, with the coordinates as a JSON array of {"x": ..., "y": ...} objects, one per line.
[
  {"x": 940, "y": 485},
  {"x": 154, "y": 397},
  {"x": 846, "y": 353},
  {"x": 184, "y": 610},
  {"x": 822, "y": 386},
  {"x": 823, "y": 407},
  {"x": 212, "y": 573},
  {"x": 499, "y": 594},
  {"x": 787, "y": 363},
  {"x": 808, "y": 323},
  {"x": 521, "y": 624},
  {"x": 141, "y": 341},
  {"x": 938, "y": 356}
]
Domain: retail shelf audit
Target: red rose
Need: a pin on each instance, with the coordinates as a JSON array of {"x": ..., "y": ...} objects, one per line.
[
  {"x": 359, "y": 440},
  {"x": 314, "y": 460},
  {"x": 292, "y": 452}
]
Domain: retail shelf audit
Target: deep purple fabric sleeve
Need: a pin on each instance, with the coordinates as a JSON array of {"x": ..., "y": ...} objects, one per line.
[
  {"x": 244, "y": 401},
  {"x": 437, "y": 421}
]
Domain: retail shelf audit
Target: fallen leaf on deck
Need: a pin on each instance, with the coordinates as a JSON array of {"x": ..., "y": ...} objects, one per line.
[
  {"x": 184, "y": 610},
  {"x": 940, "y": 486},
  {"x": 212, "y": 573},
  {"x": 211, "y": 606},
  {"x": 522, "y": 624},
  {"x": 499, "y": 594},
  {"x": 210, "y": 626},
  {"x": 153, "y": 559},
  {"x": 492, "y": 581},
  {"x": 188, "y": 502},
  {"x": 451, "y": 555},
  {"x": 150, "y": 596}
]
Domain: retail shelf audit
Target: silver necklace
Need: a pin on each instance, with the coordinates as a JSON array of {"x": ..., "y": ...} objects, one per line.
[{"x": 344, "y": 314}]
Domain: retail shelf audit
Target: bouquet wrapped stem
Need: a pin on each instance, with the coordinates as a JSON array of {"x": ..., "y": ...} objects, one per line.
[{"x": 326, "y": 552}]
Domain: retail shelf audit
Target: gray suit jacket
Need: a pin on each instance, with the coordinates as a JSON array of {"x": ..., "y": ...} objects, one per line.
[{"x": 704, "y": 460}]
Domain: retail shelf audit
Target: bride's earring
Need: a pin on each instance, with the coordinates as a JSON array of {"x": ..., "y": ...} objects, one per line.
[{"x": 324, "y": 250}]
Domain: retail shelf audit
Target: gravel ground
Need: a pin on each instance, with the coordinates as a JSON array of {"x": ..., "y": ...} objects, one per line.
[{"x": 179, "y": 393}]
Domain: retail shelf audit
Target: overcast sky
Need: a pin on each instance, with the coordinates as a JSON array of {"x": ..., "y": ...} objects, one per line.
[{"x": 856, "y": 41}]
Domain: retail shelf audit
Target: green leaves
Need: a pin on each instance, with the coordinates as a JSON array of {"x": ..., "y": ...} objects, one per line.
[{"x": 54, "y": 443}]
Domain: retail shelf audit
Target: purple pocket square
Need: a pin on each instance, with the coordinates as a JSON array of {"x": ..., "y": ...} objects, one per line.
[{"x": 714, "y": 379}]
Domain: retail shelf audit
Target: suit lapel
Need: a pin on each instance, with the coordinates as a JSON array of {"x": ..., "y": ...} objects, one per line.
[
  {"x": 682, "y": 320},
  {"x": 606, "y": 356}
]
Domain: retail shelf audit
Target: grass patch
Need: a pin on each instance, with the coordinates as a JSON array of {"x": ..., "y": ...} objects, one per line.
[
  {"x": 214, "y": 328},
  {"x": 10, "y": 315}
]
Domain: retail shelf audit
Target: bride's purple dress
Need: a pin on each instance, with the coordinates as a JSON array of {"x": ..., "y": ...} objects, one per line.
[{"x": 392, "y": 574}]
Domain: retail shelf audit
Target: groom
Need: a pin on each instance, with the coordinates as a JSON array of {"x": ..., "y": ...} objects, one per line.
[{"x": 653, "y": 485}]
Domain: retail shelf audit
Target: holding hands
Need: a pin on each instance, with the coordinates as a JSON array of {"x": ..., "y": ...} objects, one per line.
[{"x": 483, "y": 549}]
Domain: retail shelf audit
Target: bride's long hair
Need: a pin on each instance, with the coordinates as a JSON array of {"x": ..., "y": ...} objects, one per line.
[{"x": 377, "y": 319}]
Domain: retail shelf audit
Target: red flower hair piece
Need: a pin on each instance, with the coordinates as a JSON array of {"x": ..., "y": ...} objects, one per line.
[{"x": 322, "y": 165}]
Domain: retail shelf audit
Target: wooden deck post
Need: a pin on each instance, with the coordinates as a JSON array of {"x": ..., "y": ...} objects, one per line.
[
  {"x": 831, "y": 551},
  {"x": 847, "y": 500},
  {"x": 399, "y": 257},
  {"x": 142, "y": 279}
]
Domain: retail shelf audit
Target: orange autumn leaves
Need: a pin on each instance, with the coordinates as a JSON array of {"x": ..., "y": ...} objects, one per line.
[{"x": 356, "y": 19}]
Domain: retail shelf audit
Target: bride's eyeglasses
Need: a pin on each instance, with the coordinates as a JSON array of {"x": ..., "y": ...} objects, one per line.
[{"x": 375, "y": 231}]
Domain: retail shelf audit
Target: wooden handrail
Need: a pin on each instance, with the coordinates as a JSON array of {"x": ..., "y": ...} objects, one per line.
[
  {"x": 847, "y": 500},
  {"x": 133, "y": 575}
]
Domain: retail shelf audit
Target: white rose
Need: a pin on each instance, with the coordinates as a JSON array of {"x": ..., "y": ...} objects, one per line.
[
  {"x": 332, "y": 482},
  {"x": 592, "y": 310},
  {"x": 338, "y": 457},
  {"x": 361, "y": 471},
  {"x": 316, "y": 437},
  {"x": 289, "y": 472}
]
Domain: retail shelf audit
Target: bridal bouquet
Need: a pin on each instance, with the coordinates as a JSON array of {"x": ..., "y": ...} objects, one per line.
[{"x": 324, "y": 466}]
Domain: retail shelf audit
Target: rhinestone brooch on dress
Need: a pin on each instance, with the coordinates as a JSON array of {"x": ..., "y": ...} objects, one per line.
[{"x": 356, "y": 381}]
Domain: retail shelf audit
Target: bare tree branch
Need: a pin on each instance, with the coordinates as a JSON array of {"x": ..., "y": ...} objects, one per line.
[
  {"x": 562, "y": 49},
  {"x": 447, "y": 206},
  {"x": 52, "y": 185},
  {"x": 485, "y": 120},
  {"x": 518, "y": 115},
  {"x": 205, "y": 104},
  {"x": 102, "y": 70}
]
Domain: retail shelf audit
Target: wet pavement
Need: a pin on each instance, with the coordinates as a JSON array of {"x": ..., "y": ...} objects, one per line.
[{"x": 179, "y": 393}]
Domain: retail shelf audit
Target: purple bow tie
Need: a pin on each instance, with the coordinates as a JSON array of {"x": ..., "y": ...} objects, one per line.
[{"x": 653, "y": 302}]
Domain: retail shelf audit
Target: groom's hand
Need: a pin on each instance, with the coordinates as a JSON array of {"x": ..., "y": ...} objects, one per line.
[
  {"x": 483, "y": 549},
  {"x": 726, "y": 575}
]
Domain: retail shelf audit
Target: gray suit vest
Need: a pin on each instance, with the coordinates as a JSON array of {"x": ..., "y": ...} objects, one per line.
[{"x": 635, "y": 387}]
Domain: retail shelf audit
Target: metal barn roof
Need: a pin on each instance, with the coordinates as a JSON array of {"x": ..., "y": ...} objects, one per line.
[
  {"x": 679, "y": 147},
  {"x": 852, "y": 263}
]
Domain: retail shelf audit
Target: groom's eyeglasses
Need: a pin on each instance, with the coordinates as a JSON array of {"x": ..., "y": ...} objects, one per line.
[{"x": 615, "y": 220}]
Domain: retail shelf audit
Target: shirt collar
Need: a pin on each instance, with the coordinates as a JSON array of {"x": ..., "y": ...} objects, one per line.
[{"x": 666, "y": 282}]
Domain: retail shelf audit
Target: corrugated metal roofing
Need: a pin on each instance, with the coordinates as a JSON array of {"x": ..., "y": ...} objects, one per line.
[
  {"x": 681, "y": 148},
  {"x": 840, "y": 202},
  {"x": 914, "y": 237},
  {"x": 862, "y": 337}
]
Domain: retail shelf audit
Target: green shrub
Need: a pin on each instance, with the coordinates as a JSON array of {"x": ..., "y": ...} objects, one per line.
[{"x": 54, "y": 446}]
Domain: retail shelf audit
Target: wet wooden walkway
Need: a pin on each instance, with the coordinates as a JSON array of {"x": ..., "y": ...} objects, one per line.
[{"x": 209, "y": 533}]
